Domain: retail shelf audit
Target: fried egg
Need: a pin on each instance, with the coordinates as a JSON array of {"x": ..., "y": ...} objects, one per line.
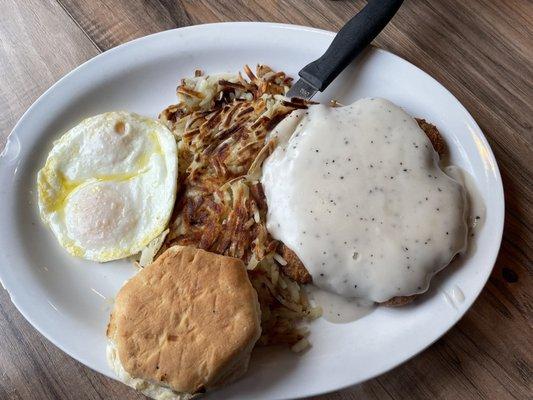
[{"x": 108, "y": 185}]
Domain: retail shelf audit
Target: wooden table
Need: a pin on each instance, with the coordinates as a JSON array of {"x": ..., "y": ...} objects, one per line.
[{"x": 481, "y": 50}]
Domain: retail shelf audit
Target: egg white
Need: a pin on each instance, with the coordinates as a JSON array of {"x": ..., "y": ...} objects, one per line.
[{"x": 108, "y": 185}]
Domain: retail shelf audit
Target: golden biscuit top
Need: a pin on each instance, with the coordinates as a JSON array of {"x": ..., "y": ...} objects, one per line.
[{"x": 186, "y": 319}]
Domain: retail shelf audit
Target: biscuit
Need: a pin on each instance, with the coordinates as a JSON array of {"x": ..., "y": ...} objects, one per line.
[{"x": 188, "y": 321}]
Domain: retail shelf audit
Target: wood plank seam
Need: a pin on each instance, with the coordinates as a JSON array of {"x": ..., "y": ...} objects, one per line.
[{"x": 100, "y": 50}]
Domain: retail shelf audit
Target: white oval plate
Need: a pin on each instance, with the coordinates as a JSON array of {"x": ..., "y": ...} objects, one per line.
[{"x": 68, "y": 300}]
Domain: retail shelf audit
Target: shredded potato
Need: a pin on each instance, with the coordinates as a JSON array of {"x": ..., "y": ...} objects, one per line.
[
  {"x": 149, "y": 252},
  {"x": 221, "y": 123}
]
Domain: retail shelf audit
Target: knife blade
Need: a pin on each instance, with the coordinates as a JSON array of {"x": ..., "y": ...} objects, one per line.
[
  {"x": 349, "y": 42},
  {"x": 302, "y": 89}
]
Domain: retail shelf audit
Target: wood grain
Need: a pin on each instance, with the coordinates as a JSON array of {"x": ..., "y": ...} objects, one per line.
[
  {"x": 39, "y": 44},
  {"x": 32, "y": 57},
  {"x": 481, "y": 50}
]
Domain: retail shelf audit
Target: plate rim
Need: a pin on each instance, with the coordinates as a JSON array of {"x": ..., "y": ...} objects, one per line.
[{"x": 266, "y": 25}]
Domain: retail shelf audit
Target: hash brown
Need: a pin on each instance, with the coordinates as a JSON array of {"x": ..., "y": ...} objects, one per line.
[{"x": 221, "y": 124}]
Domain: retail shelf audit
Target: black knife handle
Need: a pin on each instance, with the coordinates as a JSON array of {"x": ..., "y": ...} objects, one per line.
[{"x": 354, "y": 36}]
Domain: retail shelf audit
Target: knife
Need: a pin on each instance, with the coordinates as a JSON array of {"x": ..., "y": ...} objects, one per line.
[{"x": 349, "y": 42}]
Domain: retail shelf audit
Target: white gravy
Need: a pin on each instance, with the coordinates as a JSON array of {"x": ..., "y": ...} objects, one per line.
[
  {"x": 357, "y": 193},
  {"x": 476, "y": 205},
  {"x": 339, "y": 309}
]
